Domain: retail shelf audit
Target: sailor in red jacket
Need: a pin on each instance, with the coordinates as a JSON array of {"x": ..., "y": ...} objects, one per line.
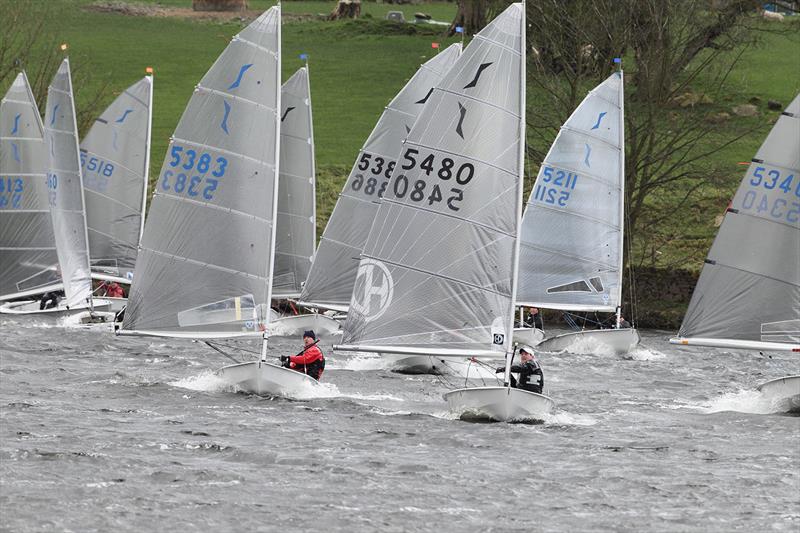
[{"x": 310, "y": 361}]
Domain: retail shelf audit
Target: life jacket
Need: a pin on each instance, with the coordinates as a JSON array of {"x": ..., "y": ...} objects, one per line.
[
  {"x": 527, "y": 381},
  {"x": 311, "y": 362}
]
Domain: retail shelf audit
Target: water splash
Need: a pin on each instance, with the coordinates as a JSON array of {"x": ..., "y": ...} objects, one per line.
[
  {"x": 741, "y": 401},
  {"x": 643, "y": 353},
  {"x": 206, "y": 381},
  {"x": 563, "y": 418}
]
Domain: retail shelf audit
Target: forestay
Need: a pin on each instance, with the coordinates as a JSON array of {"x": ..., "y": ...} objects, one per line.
[
  {"x": 27, "y": 246},
  {"x": 333, "y": 272},
  {"x": 205, "y": 260},
  {"x": 571, "y": 255},
  {"x": 749, "y": 289},
  {"x": 115, "y": 161},
  {"x": 295, "y": 238},
  {"x": 65, "y": 189},
  {"x": 437, "y": 272}
]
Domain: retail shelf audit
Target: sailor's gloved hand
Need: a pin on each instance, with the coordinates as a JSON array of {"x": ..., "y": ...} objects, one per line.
[
  {"x": 285, "y": 360},
  {"x": 499, "y": 369}
]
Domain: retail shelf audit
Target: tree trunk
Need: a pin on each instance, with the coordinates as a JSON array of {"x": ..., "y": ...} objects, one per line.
[
  {"x": 346, "y": 9},
  {"x": 219, "y": 5},
  {"x": 471, "y": 16}
]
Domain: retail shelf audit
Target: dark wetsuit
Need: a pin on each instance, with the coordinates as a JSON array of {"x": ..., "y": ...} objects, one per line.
[
  {"x": 49, "y": 300},
  {"x": 531, "y": 377}
]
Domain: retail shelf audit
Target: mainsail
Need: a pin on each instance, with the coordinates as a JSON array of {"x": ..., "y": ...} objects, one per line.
[
  {"x": 571, "y": 254},
  {"x": 65, "y": 189},
  {"x": 115, "y": 160},
  {"x": 333, "y": 273},
  {"x": 749, "y": 290},
  {"x": 295, "y": 237},
  {"x": 205, "y": 262},
  {"x": 27, "y": 246},
  {"x": 438, "y": 272}
]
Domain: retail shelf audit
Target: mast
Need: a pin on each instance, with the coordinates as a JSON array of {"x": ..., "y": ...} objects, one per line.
[
  {"x": 80, "y": 178},
  {"x": 265, "y": 337},
  {"x": 149, "y": 77},
  {"x": 313, "y": 161},
  {"x": 515, "y": 268},
  {"x": 618, "y": 60}
]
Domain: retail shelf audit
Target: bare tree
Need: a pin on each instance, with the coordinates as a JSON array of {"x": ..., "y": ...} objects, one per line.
[
  {"x": 26, "y": 43},
  {"x": 669, "y": 45}
]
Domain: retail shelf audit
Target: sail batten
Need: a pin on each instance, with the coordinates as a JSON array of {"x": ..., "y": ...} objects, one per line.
[
  {"x": 211, "y": 225},
  {"x": 333, "y": 273},
  {"x": 749, "y": 289}
]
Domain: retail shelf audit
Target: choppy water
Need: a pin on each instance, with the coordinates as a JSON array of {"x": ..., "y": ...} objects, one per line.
[{"x": 101, "y": 433}]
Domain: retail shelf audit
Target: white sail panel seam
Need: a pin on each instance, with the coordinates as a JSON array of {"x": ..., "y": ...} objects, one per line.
[
  {"x": 254, "y": 45},
  {"x": 203, "y": 264},
  {"x": 717, "y": 263},
  {"x": 26, "y": 139},
  {"x": 435, "y": 275},
  {"x": 24, "y": 175},
  {"x": 223, "y": 151},
  {"x": 478, "y": 100},
  {"x": 479, "y": 37},
  {"x": 738, "y": 212},
  {"x": 27, "y": 248},
  {"x": 566, "y": 211},
  {"x": 448, "y": 215},
  {"x": 135, "y": 209},
  {"x": 116, "y": 163},
  {"x": 217, "y": 92},
  {"x": 611, "y": 268},
  {"x": 580, "y": 133},
  {"x": 212, "y": 206}
]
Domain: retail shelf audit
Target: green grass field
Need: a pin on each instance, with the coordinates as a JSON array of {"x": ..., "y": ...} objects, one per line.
[{"x": 356, "y": 68}]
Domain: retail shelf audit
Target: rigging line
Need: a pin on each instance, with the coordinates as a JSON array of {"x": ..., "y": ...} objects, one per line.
[{"x": 216, "y": 349}]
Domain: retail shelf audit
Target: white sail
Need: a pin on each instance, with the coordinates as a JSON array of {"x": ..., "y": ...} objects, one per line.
[
  {"x": 115, "y": 161},
  {"x": 748, "y": 294},
  {"x": 296, "y": 233},
  {"x": 205, "y": 262},
  {"x": 65, "y": 189},
  {"x": 438, "y": 272},
  {"x": 333, "y": 273},
  {"x": 27, "y": 246},
  {"x": 573, "y": 226}
]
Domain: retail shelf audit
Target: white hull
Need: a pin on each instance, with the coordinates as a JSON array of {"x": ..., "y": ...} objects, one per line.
[
  {"x": 428, "y": 364},
  {"x": 500, "y": 404},
  {"x": 530, "y": 336},
  {"x": 117, "y": 304},
  {"x": 295, "y": 325},
  {"x": 784, "y": 393},
  {"x": 593, "y": 342},
  {"x": 267, "y": 379},
  {"x": 31, "y": 307}
]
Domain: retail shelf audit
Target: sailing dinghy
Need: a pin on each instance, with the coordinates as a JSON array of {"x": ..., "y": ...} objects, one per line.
[
  {"x": 67, "y": 210},
  {"x": 748, "y": 294},
  {"x": 205, "y": 264},
  {"x": 296, "y": 227},
  {"x": 115, "y": 160},
  {"x": 572, "y": 230},
  {"x": 27, "y": 246},
  {"x": 438, "y": 274}
]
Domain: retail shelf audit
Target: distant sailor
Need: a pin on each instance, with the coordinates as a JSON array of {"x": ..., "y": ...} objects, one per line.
[
  {"x": 50, "y": 300},
  {"x": 530, "y": 373},
  {"x": 623, "y": 324},
  {"x": 535, "y": 320},
  {"x": 310, "y": 361}
]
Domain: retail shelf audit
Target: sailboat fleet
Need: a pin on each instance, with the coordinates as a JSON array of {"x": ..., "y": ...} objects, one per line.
[{"x": 428, "y": 252}]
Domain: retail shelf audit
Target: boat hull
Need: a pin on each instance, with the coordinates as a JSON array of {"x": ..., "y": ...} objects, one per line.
[
  {"x": 31, "y": 307},
  {"x": 784, "y": 393},
  {"x": 499, "y": 404},
  {"x": 593, "y": 342},
  {"x": 529, "y": 336},
  {"x": 267, "y": 379},
  {"x": 295, "y": 325}
]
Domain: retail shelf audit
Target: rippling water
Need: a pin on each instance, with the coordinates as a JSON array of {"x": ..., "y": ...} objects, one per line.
[{"x": 100, "y": 433}]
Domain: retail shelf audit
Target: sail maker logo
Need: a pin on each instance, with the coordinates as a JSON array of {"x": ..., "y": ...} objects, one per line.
[{"x": 373, "y": 290}]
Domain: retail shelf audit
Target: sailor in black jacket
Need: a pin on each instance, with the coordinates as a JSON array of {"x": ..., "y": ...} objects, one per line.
[{"x": 530, "y": 373}]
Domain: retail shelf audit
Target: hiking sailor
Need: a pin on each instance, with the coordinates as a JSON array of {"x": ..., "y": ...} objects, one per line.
[
  {"x": 310, "y": 361},
  {"x": 530, "y": 373}
]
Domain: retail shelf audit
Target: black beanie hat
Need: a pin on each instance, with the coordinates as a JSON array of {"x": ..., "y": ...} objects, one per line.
[{"x": 310, "y": 333}]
